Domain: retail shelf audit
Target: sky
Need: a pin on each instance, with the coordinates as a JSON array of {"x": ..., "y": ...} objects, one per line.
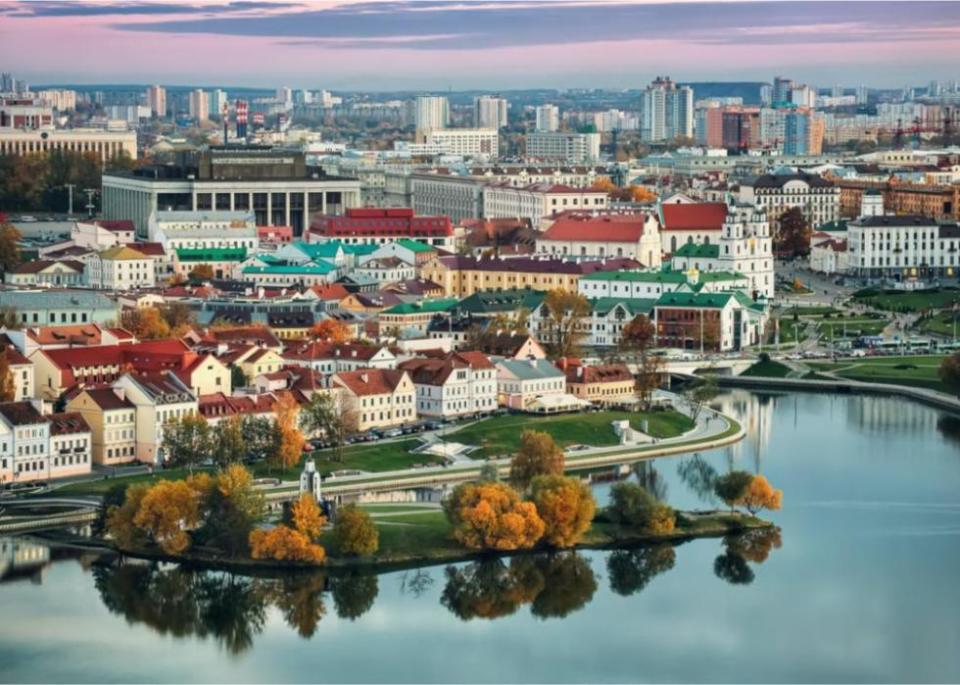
[{"x": 476, "y": 44}]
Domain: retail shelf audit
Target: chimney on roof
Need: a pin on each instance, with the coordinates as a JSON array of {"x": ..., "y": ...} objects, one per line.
[{"x": 365, "y": 377}]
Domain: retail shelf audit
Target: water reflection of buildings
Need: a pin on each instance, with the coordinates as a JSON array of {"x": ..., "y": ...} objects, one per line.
[
  {"x": 754, "y": 411},
  {"x": 21, "y": 559},
  {"x": 890, "y": 414}
]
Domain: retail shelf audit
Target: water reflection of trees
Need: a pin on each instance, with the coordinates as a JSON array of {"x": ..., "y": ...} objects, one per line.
[
  {"x": 554, "y": 585},
  {"x": 631, "y": 570},
  {"x": 700, "y": 476},
  {"x": 750, "y": 546},
  {"x": 227, "y": 607},
  {"x": 650, "y": 479},
  {"x": 949, "y": 427}
]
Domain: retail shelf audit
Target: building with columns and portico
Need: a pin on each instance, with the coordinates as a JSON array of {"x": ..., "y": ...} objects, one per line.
[{"x": 276, "y": 185}]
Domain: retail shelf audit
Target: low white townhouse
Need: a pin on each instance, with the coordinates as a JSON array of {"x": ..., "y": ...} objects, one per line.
[{"x": 457, "y": 384}]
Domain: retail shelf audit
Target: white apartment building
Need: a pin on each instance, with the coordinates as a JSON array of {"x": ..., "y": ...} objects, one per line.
[
  {"x": 199, "y": 103},
  {"x": 467, "y": 142},
  {"x": 666, "y": 111},
  {"x": 538, "y": 200},
  {"x": 34, "y": 447},
  {"x": 902, "y": 247},
  {"x": 460, "y": 384},
  {"x": 121, "y": 268},
  {"x": 212, "y": 229},
  {"x": 817, "y": 198},
  {"x": 548, "y": 118},
  {"x": 573, "y": 148},
  {"x": 157, "y": 100},
  {"x": 431, "y": 112},
  {"x": 490, "y": 111},
  {"x": 60, "y": 100},
  {"x": 459, "y": 197}
]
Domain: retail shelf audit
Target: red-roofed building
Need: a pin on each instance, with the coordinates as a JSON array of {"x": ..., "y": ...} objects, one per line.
[
  {"x": 455, "y": 384},
  {"x": 102, "y": 233},
  {"x": 691, "y": 222},
  {"x": 379, "y": 226},
  {"x": 377, "y": 398},
  {"x": 329, "y": 358},
  {"x": 636, "y": 236},
  {"x": 56, "y": 371}
]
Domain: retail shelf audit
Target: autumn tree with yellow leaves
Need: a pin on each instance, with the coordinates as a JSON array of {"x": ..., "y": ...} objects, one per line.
[
  {"x": 761, "y": 495},
  {"x": 307, "y": 517},
  {"x": 566, "y": 506},
  {"x": 288, "y": 448},
  {"x": 166, "y": 513},
  {"x": 538, "y": 455},
  {"x": 285, "y": 544},
  {"x": 491, "y": 516},
  {"x": 330, "y": 330},
  {"x": 355, "y": 532}
]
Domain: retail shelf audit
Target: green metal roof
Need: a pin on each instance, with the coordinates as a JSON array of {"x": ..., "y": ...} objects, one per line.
[
  {"x": 695, "y": 300},
  {"x": 701, "y": 251},
  {"x": 317, "y": 250},
  {"x": 414, "y": 245},
  {"x": 502, "y": 301},
  {"x": 305, "y": 269},
  {"x": 634, "y": 305},
  {"x": 529, "y": 370},
  {"x": 425, "y": 307},
  {"x": 211, "y": 254},
  {"x": 637, "y": 276}
]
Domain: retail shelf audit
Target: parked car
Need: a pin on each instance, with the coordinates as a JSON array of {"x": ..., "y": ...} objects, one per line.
[{"x": 392, "y": 433}]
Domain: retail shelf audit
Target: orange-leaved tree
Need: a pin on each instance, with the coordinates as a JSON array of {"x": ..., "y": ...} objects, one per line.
[
  {"x": 146, "y": 323},
  {"x": 330, "y": 330},
  {"x": 289, "y": 440},
  {"x": 8, "y": 389},
  {"x": 285, "y": 544},
  {"x": 761, "y": 495},
  {"x": 307, "y": 517},
  {"x": 566, "y": 506},
  {"x": 538, "y": 455},
  {"x": 167, "y": 512},
  {"x": 355, "y": 532},
  {"x": 491, "y": 516}
]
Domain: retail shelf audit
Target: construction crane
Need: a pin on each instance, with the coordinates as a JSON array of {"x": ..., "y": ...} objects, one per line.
[{"x": 898, "y": 136}]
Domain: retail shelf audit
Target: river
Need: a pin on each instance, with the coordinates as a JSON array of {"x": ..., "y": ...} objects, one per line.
[{"x": 860, "y": 585}]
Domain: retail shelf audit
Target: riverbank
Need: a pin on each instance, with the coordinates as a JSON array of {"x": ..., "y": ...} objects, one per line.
[
  {"x": 423, "y": 540},
  {"x": 931, "y": 398}
]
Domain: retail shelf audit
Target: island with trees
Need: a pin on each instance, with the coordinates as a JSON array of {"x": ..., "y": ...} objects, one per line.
[{"x": 220, "y": 518}]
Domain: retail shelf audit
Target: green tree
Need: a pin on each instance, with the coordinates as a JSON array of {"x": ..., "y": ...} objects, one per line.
[
  {"x": 327, "y": 415},
  {"x": 566, "y": 314},
  {"x": 701, "y": 392},
  {"x": 355, "y": 532},
  {"x": 187, "y": 441},
  {"x": 259, "y": 436},
  {"x": 631, "y": 570},
  {"x": 238, "y": 379},
  {"x": 228, "y": 442},
  {"x": 633, "y": 506},
  {"x": 949, "y": 371},
  {"x": 732, "y": 487},
  {"x": 538, "y": 455},
  {"x": 354, "y": 594},
  {"x": 9, "y": 245}
]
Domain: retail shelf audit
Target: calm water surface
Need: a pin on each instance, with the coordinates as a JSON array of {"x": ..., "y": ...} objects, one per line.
[{"x": 860, "y": 585}]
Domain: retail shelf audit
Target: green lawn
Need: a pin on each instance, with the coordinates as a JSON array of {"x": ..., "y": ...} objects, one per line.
[
  {"x": 790, "y": 332},
  {"x": 854, "y": 328},
  {"x": 373, "y": 457},
  {"x": 939, "y": 324},
  {"x": 403, "y": 508},
  {"x": 425, "y": 535},
  {"x": 810, "y": 310},
  {"x": 99, "y": 487},
  {"x": 500, "y": 436},
  {"x": 767, "y": 369},
  {"x": 902, "y": 301},
  {"x": 915, "y": 371}
]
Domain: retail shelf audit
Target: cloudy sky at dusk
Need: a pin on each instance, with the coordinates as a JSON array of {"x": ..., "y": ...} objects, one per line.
[{"x": 433, "y": 44}]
